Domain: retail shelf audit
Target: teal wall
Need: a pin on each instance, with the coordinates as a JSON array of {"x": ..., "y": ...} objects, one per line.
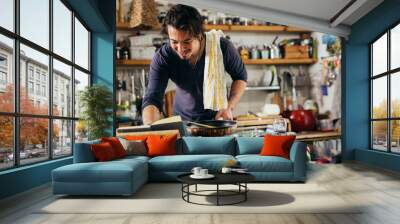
[
  {"x": 99, "y": 15},
  {"x": 356, "y": 85}
]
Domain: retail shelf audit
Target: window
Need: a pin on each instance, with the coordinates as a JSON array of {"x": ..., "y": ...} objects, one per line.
[
  {"x": 3, "y": 72},
  {"x": 41, "y": 83},
  {"x": 3, "y": 78},
  {"x": 44, "y": 91},
  {"x": 38, "y": 89},
  {"x": 30, "y": 72},
  {"x": 30, "y": 88},
  {"x": 385, "y": 97},
  {"x": 7, "y": 14},
  {"x": 3, "y": 61}
]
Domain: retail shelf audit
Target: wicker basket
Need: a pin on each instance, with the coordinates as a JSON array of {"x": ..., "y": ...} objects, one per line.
[{"x": 143, "y": 14}]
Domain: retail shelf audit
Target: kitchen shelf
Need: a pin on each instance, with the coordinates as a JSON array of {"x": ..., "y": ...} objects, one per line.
[
  {"x": 134, "y": 62},
  {"x": 280, "y": 61},
  {"x": 235, "y": 28},
  {"x": 263, "y": 88}
]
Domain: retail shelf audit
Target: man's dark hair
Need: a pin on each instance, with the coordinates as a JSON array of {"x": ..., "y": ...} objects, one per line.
[{"x": 185, "y": 18}]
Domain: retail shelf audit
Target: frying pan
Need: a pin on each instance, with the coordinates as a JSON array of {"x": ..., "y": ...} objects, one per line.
[{"x": 211, "y": 128}]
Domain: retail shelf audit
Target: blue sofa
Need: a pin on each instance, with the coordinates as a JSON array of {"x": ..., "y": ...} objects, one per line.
[{"x": 125, "y": 176}]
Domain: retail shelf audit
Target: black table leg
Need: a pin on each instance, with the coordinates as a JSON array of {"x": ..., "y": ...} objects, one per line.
[
  {"x": 245, "y": 193},
  {"x": 217, "y": 194}
]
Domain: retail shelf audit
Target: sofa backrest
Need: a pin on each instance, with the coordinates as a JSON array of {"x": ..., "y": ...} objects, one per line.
[
  {"x": 207, "y": 145},
  {"x": 83, "y": 152},
  {"x": 249, "y": 145}
]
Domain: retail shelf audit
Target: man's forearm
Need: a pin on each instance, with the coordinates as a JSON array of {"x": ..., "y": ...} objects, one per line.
[
  {"x": 150, "y": 114},
  {"x": 237, "y": 89}
]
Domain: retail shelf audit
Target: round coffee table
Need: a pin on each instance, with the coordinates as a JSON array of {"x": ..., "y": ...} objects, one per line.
[{"x": 238, "y": 179}]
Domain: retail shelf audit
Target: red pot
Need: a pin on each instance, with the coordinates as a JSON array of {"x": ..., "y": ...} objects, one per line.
[{"x": 302, "y": 120}]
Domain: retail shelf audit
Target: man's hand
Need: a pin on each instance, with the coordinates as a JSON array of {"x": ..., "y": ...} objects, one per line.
[
  {"x": 225, "y": 114},
  {"x": 150, "y": 114}
]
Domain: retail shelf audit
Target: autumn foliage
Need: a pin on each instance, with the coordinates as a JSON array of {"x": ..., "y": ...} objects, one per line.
[
  {"x": 380, "y": 127},
  {"x": 33, "y": 130}
]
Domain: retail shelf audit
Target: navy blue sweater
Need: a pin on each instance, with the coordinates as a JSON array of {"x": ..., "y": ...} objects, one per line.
[{"x": 188, "y": 102}]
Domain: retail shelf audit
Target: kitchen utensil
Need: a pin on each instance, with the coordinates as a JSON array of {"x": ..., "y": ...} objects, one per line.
[
  {"x": 302, "y": 120},
  {"x": 201, "y": 125}
]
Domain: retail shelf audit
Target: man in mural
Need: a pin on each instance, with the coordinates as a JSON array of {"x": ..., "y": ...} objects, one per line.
[{"x": 196, "y": 61}]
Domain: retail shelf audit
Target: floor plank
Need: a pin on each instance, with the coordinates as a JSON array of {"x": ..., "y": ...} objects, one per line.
[{"x": 376, "y": 190}]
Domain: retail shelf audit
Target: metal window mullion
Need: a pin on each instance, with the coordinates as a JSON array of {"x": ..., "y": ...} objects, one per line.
[
  {"x": 389, "y": 102},
  {"x": 371, "y": 97},
  {"x": 73, "y": 82},
  {"x": 50, "y": 81},
  {"x": 16, "y": 84}
]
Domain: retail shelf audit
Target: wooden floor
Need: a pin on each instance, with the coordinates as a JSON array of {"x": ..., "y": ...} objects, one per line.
[{"x": 377, "y": 188}]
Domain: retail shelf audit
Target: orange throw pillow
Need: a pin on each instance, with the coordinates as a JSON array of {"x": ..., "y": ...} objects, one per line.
[
  {"x": 161, "y": 145},
  {"x": 116, "y": 145},
  {"x": 277, "y": 145},
  {"x": 103, "y": 152},
  {"x": 136, "y": 137}
]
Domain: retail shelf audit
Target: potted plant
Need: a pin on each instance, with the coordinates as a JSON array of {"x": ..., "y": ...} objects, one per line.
[{"x": 96, "y": 104}]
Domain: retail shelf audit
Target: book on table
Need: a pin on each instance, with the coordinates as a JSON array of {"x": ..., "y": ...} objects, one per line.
[{"x": 162, "y": 126}]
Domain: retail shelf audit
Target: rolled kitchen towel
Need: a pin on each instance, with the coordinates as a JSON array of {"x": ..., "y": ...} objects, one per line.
[{"x": 214, "y": 83}]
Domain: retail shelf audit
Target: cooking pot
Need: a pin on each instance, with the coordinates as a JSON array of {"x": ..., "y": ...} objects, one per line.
[
  {"x": 302, "y": 120},
  {"x": 211, "y": 128}
]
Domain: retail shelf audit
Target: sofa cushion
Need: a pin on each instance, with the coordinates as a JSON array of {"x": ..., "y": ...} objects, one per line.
[
  {"x": 249, "y": 145},
  {"x": 116, "y": 145},
  {"x": 161, "y": 145},
  {"x": 208, "y": 145},
  {"x": 277, "y": 145},
  {"x": 134, "y": 147},
  {"x": 257, "y": 163},
  {"x": 185, "y": 163},
  {"x": 112, "y": 171},
  {"x": 103, "y": 152}
]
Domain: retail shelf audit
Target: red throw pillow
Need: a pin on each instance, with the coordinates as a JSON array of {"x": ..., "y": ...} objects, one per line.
[
  {"x": 116, "y": 145},
  {"x": 277, "y": 145},
  {"x": 161, "y": 145},
  {"x": 103, "y": 152}
]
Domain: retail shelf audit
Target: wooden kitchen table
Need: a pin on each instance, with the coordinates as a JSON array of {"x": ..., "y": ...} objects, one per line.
[{"x": 310, "y": 136}]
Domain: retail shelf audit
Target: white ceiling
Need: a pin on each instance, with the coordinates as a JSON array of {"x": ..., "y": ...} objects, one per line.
[{"x": 316, "y": 15}]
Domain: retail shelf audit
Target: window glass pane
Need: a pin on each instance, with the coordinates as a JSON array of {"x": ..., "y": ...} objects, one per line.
[
  {"x": 6, "y": 142},
  {"x": 7, "y": 14},
  {"x": 62, "y": 29},
  {"x": 379, "y": 55},
  {"x": 379, "y": 98},
  {"x": 81, "y": 131},
  {"x": 395, "y": 136},
  {"x": 62, "y": 89},
  {"x": 36, "y": 102},
  {"x": 395, "y": 94},
  {"x": 33, "y": 139},
  {"x": 379, "y": 135},
  {"x": 395, "y": 47},
  {"x": 81, "y": 81},
  {"x": 35, "y": 21},
  {"x": 62, "y": 138},
  {"x": 6, "y": 74},
  {"x": 81, "y": 45}
]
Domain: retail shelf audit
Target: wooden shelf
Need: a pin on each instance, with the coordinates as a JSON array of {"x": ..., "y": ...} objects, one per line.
[
  {"x": 280, "y": 61},
  {"x": 235, "y": 28},
  {"x": 134, "y": 62}
]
